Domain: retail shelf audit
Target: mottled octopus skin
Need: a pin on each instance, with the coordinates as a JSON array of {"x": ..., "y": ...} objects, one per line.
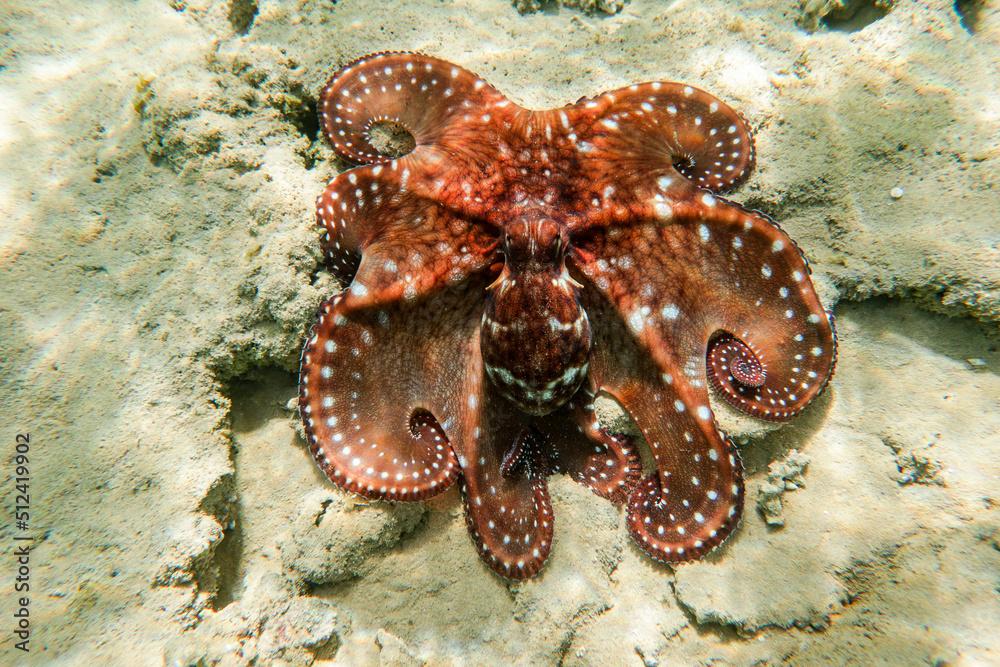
[{"x": 514, "y": 264}]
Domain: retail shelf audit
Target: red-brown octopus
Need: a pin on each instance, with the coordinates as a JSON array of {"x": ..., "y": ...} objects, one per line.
[{"x": 515, "y": 263}]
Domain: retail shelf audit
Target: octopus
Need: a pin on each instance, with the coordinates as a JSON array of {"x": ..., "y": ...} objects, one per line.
[{"x": 504, "y": 267}]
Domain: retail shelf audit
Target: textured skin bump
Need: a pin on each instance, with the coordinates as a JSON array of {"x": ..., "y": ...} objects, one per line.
[{"x": 504, "y": 266}]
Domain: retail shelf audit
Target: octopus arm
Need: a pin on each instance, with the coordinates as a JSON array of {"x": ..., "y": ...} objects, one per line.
[
  {"x": 430, "y": 99},
  {"x": 652, "y": 129},
  {"x": 378, "y": 388},
  {"x": 694, "y": 500},
  {"x": 606, "y": 462},
  {"x": 674, "y": 302},
  {"x": 507, "y": 507},
  {"x": 774, "y": 346},
  {"x": 397, "y": 407},
  {"x": 388, "y": 235},
  {"x": 734, "y": 287}
]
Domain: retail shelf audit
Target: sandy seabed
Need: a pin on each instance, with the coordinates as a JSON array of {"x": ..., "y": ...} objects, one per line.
[{"x": 158, "y": 166}]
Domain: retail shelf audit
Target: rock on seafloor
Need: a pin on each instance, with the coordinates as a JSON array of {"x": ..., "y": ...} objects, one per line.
[
  {"x": 783, "y": 475},
  {"x": 335, "y": 534},
  {"x": 160, "y": 161}
]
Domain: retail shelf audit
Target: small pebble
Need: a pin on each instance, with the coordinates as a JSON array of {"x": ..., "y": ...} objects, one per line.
[{"x": 896, "y": 192}]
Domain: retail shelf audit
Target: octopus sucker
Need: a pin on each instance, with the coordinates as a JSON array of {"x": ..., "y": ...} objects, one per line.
[{"x": 502, "y": 267}]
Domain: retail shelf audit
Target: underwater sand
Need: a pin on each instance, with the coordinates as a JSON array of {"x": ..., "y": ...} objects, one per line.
[{"x": 158, "y": 166}]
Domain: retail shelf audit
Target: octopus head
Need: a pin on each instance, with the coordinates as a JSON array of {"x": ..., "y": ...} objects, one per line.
[{"x": 535, "y": 241}]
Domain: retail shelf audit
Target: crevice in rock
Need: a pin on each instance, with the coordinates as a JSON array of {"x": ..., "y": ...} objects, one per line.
[
  {"x": 969, "y": 14},
  {"x": 724, "y": 632},
  {"x": 228, "y": 558},
  {"x": 593, "y": 8},
  {"x": 304, "y": 116},
  {"x": 222, "y": 504},
  {"x": 242, "y": 14},
  {"x": 843, "y": 15},
  {"x": 327, "y": 650},
  {"x": 860, "y": 19},
  {"x": 212, "y": 570}
]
